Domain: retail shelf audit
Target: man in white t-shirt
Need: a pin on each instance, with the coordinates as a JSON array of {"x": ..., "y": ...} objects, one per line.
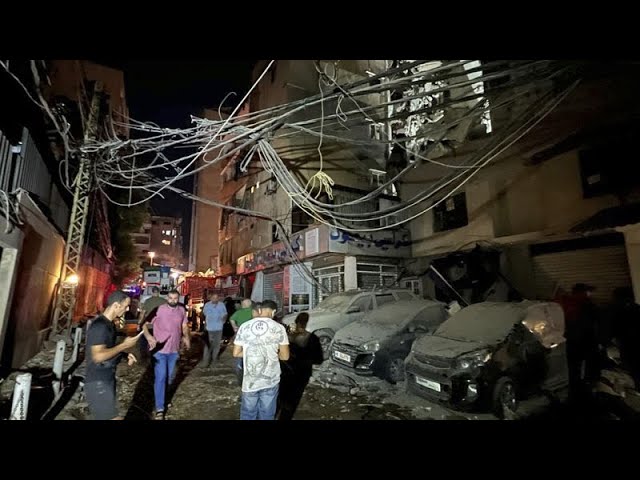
[{"x": 261, "y": 343}]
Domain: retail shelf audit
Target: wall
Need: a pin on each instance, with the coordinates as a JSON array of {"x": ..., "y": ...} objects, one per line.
[
  {"x": 95, "y": 277},
  {"x": 426, "y": 242},
  {"x": 66, "y": 76},
  {"x": 10, "y": 248},
  {"x": 40, "y": 262}
]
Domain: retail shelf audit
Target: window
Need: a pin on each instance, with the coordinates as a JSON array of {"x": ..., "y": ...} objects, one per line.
[
  {"x": 602, "y": 169},
  {"x": 384, "y": 299},
  {"x": 414, "y": 285},
  {"x": 166, "y": 242},
  {"x": 299, "y": 220},
  {"x": 376, "y": 276},
  {"x": 451, "y": 213},
  {"x": 363, "y": 303}
]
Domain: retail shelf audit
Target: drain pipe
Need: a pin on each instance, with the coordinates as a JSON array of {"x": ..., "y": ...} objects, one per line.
[{"x": 21, "y": 392}]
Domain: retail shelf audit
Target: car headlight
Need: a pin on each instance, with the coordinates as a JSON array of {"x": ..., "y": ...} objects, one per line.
[
  {"x": 476, "y": 359},
  {"x": 372, "y": 346}
]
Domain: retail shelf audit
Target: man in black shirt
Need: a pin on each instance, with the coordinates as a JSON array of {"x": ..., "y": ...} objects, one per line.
[{"x": 103, "y": 356}]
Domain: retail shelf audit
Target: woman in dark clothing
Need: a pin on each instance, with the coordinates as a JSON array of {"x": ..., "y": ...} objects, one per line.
[{"x": 305, "y": 351}]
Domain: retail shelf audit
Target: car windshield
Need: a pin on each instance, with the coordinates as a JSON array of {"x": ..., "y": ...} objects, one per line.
[
  {"x": 335, "y": 303},
  {"x": 483, "y": 322}
]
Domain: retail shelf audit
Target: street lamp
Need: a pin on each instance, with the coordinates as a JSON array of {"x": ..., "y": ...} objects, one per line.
[
  {"x": 151, "y": 255},
  {"x": 72, "y": 280}
]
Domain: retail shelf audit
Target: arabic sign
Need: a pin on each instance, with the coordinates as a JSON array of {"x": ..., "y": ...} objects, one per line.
[{"x": 388, "y": 244}]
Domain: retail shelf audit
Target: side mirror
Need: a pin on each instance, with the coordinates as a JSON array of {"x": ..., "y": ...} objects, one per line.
[{"x": 353, "y": 309}]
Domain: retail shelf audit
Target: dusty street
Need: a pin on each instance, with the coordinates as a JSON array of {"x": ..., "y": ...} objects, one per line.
[{"x": 213, "y": 394}]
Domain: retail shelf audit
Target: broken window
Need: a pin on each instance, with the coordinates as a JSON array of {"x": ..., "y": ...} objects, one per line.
[
  {"x": 451, "y": 213},
  {"x": 602, "y": 169}
]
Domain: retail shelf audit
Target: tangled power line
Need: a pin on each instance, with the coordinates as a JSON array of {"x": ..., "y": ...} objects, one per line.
[{"x": 419, "y": 107}]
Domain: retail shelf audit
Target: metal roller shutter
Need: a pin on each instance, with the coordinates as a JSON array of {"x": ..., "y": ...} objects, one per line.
[
  {"x": 273, "y": 283},
  {"x": 606, "y": 268}
]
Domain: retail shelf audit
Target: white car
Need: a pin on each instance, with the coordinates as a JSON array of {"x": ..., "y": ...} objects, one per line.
[{"x": 340, "y": 309}]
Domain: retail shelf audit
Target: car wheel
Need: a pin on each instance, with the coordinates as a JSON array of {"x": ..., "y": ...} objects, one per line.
[
  {"x": 505, "y": 401},
  {"x": 325, "y": 336},
  {"x": 395, "y": 370}
]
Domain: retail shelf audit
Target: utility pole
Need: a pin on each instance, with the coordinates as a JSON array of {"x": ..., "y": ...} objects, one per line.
[{"x": 66, "y": 298}]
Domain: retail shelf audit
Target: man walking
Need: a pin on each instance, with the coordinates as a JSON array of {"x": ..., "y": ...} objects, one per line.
[
  {"x": 103, "y": 356},
  {"x": 215, "y": 315},
  {"x": 169, "y": 327},
  {"x": 147, "y": 312},
  {"x": 248, "y": 311},
  {"x": 243, "y": 315},
  {"x": 261, "y": 343}
]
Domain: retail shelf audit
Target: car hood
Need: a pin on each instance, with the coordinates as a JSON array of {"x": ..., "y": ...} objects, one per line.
[
  {"x": 314, "y": 318},
  {"x": 433, "y": 345},
  {"x": 360, "y": 332}
]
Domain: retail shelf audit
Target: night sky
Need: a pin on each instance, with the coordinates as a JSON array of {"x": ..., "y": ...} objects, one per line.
[{"x": 167, "y": 92}]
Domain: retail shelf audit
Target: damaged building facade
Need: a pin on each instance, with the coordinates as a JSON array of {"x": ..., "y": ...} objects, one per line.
[
  {"x": 36, "y": 208},
  {"x": 550, "y": 211},
  {"x": 539, "y": 217},
  {"x": 249, "y": 258}
]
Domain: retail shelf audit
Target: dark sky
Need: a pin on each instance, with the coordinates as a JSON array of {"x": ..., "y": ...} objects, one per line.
[{"x": 167, "y": 92}]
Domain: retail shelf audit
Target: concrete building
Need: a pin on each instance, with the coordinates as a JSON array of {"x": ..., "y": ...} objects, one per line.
[
  {"x": 546, "y": 213},
  {"x": 248, "y": 248},
  {"x": 142, "y": 241},
  {"x": 560, "y": 205},
  {"x": 165, "y": 240}
]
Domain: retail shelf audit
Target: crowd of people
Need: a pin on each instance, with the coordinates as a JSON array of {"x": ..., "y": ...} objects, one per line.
[{"x": 273, "y": 366}]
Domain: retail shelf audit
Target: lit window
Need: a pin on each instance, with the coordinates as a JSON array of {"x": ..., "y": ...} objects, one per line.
[{"x": 166, "y": 242}]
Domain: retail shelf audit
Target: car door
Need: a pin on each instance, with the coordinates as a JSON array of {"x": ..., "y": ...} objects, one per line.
[{"x": 400, "y": 346}]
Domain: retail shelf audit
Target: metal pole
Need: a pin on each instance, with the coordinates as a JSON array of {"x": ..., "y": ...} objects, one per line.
[
  {"x": 443, "y": 280},
  {"x": 58, "y": 364},
  {"x": 66, "y": 298},
  {"x": 21, "y": 392},
  {"x": 76, "y": 344}
]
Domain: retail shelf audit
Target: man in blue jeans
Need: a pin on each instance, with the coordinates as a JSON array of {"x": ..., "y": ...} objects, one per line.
[
  {"x": 215, "y": 314},
  {"x": 170, "y": 325},
  {"x": 261, "y": 343}
]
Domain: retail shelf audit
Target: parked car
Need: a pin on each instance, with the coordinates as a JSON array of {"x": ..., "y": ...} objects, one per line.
[
  {"x": 490, "y": 355},
  {"x": 379, "y": 343},
  {"x": 340, "y": 309}
]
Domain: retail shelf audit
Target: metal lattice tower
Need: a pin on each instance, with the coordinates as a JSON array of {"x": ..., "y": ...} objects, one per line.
[{"x": 66, "y": 298}]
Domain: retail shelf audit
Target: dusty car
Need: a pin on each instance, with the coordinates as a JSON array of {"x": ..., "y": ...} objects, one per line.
[
  {"x": 379, "y": 343},
  {"x": 490, "y": 355},
  {"x": 340, "y": 309}
]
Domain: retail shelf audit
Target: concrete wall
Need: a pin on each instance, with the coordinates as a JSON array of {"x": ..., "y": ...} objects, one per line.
[
  {"x": 11, "y": 246},
  {"x": 95, "y": 277},
  {"x": 40, "y": 262},
  {"x": 66, "y": 77}
]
